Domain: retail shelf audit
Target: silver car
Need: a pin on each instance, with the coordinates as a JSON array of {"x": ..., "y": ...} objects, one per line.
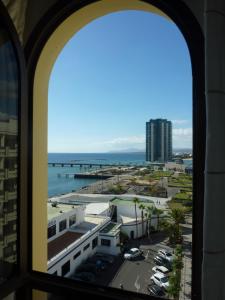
[{"x": 132, "y": 253}]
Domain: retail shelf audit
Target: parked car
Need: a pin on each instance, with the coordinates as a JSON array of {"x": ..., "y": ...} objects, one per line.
[
  {"x": 161, "y": 261},
  {"x": 105, "y": 257},
  {"x": 161, "y": 269},
  {"x": 132, "y": 253},
  {"x": 84, "y": 276},
  {"x": 166, "y": 254},
  {"x": 155, "y": 290},
  {"x": 87, "y": 267},
  {"x": 160, "y": 280},
  {"x": 99, "y": 263}
]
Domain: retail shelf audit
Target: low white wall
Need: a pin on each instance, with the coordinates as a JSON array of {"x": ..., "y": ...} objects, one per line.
[
  {"x": 128, "y": 228},
  {"x": 113, "y": 249}
]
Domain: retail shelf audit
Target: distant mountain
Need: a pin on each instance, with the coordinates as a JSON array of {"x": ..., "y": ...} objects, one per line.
[
  {"x": 128, "y": 150},
  {"x": 136, "y": 150},
  {"x": 182, "y": 150}
]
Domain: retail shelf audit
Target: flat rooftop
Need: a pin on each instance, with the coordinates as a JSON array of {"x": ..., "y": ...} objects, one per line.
[
  {"x": 59, "y": 209},
  {"x": 90, "y": 222},
  {"x": 129, "y": 220},
  {"x": 118, "y": 201},
  {"x": 60, "y": 243},
  {"x": 111, "y": 228},
  {"x": 67, "y": 198},
  {"x": 97, "y": 208}
]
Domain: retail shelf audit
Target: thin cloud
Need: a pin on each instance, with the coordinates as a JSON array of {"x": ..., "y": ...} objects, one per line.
[
  {"x": 130, "y": 140},
  {"x": 182, "y": 137},
  {"x": 179, "y": 122}
]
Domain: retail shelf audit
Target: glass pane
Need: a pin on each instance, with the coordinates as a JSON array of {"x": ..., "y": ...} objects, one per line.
[
  {"x": 8, "y": 155},
  {"x": 120, "y": 157}
]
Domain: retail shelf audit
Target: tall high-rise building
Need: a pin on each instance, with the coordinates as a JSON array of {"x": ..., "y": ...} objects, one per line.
[{"x": 158, "y": 140}]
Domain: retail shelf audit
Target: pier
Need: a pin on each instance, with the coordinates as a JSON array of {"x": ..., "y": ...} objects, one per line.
[
  {"x": 90, "y": 165},
  {"x": 85, "y": 175}
]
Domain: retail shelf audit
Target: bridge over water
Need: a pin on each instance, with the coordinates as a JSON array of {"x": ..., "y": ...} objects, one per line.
[{"x": 90, "y": 165}]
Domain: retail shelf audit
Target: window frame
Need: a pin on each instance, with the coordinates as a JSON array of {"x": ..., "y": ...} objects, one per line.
[
  {"x": 50, "y": 229},
  {"x": 64, "y": 223},
  {"x": 65, "y": 265},
  {"x": 86, "y": 247},
  {"x": 105, "y": 242},
  {"x": 189, "y": 27}
]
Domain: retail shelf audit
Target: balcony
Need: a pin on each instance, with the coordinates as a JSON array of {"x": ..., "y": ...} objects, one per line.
[
  {"x": 10, "y": 238},
  {"x": 2, "y": 152},
  {"x": 11, "y": 195},
  {"x": 12, "y": 173},
  {"x": 2, "y": 196},
  {"x": 12, "y": 216},
  {"x": 2, "y": 174},
  {"x": 11, "y": 152}
]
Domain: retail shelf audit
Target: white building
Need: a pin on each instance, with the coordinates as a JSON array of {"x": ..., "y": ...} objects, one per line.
[
  {"x": 124, "y": 213},
  {"x": 74, "y": 236}
]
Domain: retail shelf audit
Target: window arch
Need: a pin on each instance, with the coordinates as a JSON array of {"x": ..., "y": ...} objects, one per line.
[{"x": 42, "y": 50}]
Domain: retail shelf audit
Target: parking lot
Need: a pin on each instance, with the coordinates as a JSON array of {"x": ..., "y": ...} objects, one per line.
[{"x": 133, "y": 275}]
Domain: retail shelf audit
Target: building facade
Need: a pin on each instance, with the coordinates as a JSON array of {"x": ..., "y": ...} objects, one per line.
[
  {"x": 74, "y": 236},
  {"x": 158, "y": 140},
  {"x": 8, "y": 192}
]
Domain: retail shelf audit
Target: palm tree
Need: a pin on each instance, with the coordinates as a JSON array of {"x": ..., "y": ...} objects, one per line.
[
  {"x": 175, "y": 278},
  {"x": 136, "y": 201},
  {"x": 177, "y": 216},
  {"x": 158, "y": 212},
  {"x": 148, "y": 214},
  {"x": 174, "y": 285},
  {"x": 172, "y": 226},
  {"x": 142, "y": 207}
]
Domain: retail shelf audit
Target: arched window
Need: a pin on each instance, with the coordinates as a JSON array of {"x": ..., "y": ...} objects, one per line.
[{"x": 52, "y": 32}]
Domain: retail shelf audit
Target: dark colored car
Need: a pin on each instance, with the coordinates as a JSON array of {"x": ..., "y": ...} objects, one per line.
[
  {"x": 161, "y": 261},
  {"x": 155, "y": 290},
  {"x": 87, "y": 267},
  {"x": 84, "y": 276},
  {"x": 105, "y": 257},
  {"x": 97, "y": 261}
]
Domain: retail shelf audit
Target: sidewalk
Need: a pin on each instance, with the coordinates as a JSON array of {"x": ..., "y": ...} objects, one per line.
[{"x": 185, "y": 293}]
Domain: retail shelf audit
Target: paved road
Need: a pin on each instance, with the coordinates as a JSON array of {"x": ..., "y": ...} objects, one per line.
[{"x": 134, "y": 275}]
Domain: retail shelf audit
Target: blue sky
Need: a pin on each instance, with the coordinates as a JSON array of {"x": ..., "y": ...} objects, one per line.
[{"x": 115, "y": 74}]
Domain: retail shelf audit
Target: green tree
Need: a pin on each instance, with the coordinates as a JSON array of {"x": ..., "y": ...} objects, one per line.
[
  {"x": 174, "y": 285},
  {"x": 177, "y": 216},
  {"x": 136, "y": 201},
  {"x": 148, "y": 213},
  {"x": 142, "y": 207},
  {"x": 158, "y": 212},
  {"x": 172, "y": 226},
  {"x": 175, "y": 277}
]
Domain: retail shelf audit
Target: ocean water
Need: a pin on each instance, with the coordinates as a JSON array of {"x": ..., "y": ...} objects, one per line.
[{"x": 58, "y": 183}]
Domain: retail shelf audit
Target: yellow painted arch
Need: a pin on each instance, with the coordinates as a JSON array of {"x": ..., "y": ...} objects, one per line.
[{"x": 48, "y": 56}]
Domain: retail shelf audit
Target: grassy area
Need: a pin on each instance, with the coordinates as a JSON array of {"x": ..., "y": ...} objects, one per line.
[
  {"x": 162, "y": 173},
  {"x": 117, "y": 189},
  {"x": 156, "y": 175},
  {"x": 176, "y": 205},
  {"x": 183, "y": 181},
  {"x": 182, "y": 196}
]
